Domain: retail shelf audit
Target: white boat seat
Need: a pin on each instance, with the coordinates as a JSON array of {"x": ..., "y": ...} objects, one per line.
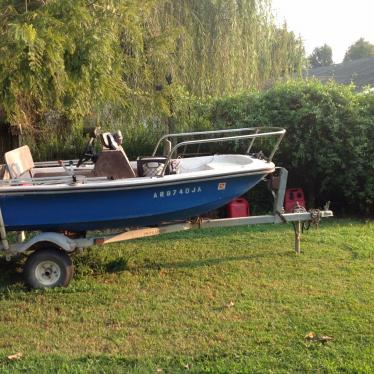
[
  {"x": 19, "y": 162},
  {"x": 110, "y": 163}
]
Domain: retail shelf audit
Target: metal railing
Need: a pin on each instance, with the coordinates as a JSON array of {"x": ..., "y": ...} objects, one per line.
[
  {"x": 255, "y": 133},
  {"x": 204, "y": 137}
]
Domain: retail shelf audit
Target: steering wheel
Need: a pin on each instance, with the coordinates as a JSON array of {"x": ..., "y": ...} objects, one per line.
[{"x": 89, "y": 153}]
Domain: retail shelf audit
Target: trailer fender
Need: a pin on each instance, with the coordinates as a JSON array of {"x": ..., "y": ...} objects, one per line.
[{"x": 60, "y": 240}]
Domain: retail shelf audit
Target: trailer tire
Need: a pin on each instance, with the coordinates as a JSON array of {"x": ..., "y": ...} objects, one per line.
[{"x": 47, "y": 268}]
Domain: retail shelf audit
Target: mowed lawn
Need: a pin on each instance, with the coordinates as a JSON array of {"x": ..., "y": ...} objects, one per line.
[{"x": 233, "y": 300}]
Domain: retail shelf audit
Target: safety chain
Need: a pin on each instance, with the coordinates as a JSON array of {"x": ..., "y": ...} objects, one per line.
[
  {"x": 315, "y": 215},
  {"x": 315, "y": 219}
]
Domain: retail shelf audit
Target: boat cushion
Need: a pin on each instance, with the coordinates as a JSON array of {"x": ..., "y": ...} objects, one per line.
[
  {"x": 113, "y": 164},
  {"x": 19, "y": 161}
]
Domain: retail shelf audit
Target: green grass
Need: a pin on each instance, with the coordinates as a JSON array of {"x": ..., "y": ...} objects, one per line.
[{"x": 218, "y": 301}]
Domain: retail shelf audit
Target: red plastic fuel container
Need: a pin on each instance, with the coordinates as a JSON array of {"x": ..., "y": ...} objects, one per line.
[
  {"x": 238, "y": 208},
  {"x": 293, "y": 196}
]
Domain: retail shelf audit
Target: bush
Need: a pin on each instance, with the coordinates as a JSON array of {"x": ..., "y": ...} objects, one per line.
[{"x": 329, "y": 138}]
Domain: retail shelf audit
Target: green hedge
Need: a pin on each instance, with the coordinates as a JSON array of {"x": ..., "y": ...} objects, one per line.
[{"x": 329, "y": 143}]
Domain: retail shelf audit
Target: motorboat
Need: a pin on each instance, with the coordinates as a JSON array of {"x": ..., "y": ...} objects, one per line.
[{"x": 105, "y": 190}]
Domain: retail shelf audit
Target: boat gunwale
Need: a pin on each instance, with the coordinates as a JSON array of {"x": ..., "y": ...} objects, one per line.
[{"x": 115, "y": 185}]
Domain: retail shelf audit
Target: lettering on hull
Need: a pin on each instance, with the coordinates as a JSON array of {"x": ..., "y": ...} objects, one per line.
[{"x": 177, "y": 192}]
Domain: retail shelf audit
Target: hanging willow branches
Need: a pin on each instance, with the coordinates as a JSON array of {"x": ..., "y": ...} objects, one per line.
[
  {"x": 225, "y": 46},
  {"x": 75, "y": 57}
]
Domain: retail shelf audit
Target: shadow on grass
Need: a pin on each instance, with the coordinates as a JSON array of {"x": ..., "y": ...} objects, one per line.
[
  {"x": 10, "y": 272},
  {"x": 118, "y": 265},
  {"x": 209, "y": 262},
  {"x": 93, "y": 264}
]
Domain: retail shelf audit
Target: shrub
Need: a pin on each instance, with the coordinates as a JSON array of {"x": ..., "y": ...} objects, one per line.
[{"x": 329, "y": 138}]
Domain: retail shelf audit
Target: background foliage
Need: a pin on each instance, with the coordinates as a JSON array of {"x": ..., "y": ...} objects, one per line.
[
  {"x": 321, "y": 56},
  {"x": 329, "y": 139},
  {"x": 359, "y": 49}
]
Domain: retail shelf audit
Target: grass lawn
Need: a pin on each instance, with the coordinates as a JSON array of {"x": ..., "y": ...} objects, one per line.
[{"x": 219, "y": 301}]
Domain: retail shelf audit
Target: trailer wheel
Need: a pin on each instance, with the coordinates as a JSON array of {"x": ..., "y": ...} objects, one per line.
[{"x": 47, "y": 268}]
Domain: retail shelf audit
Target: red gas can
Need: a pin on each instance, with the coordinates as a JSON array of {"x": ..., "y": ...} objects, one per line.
[
  {"x": 293, "y": 196},
  {"x": 238, "y": 208}
]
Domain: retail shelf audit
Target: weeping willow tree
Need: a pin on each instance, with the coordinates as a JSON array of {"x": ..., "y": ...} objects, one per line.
[
  {"x": 63, "y": 61},
  {"x": 224, "y": 46},
  {"x": 208, "y": 48}
]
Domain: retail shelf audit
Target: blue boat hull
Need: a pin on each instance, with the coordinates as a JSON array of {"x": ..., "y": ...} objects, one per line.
[{"x": 100, "y": 208}]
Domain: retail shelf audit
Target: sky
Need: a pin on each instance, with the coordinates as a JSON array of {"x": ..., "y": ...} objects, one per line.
[{"x": 338, "y": 23}]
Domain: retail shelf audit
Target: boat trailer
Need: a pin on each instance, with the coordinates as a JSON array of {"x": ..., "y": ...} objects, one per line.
[{"x": 50, "y": 264}]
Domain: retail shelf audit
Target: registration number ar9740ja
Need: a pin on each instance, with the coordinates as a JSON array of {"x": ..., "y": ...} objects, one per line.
[{"x": 177, "y": 192}]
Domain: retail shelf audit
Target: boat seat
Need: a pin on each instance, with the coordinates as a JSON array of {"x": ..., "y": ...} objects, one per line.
[
  {"x": 19, "y": 162},
  {"x": 113, "y": 164},
  {"x": 110, "y": 163}
]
